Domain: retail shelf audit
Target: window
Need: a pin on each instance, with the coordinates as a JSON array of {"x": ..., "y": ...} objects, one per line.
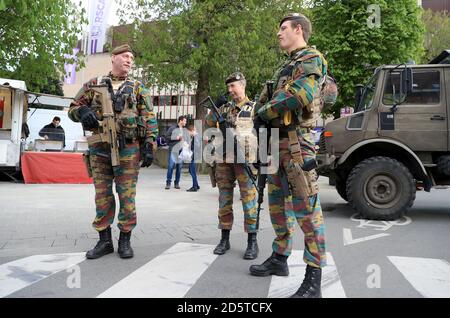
[
  {"x": 192, "y": 100},
  {"x": 155, "y": 100},
  {"x": 164, "y": 100},
  {"x": 174, "y": 100},
  {"x": 368, "y": 93},
  {"x": 426, "y": 88}
]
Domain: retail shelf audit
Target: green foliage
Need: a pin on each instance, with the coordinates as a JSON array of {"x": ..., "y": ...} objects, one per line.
[
  {"x": 353, "y": 48},
  {"x": 437, "y": 36},
  {"x": 202, "y": 42},
  {"x": 34, "y": 36}
]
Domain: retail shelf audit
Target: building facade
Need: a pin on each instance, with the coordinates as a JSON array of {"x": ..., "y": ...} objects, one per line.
[{"x": 436, "y": 5}]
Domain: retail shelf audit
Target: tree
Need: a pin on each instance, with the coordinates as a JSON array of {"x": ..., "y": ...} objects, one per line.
[
  {"x": 357, "y": 37},
  {"x": 203, "y": 41},
  {"x": 34, "y": 36},
  {"x": 39, "y": 75},
  {"x": 54, "y": 86},
  {"x": 437, "y": 37}
]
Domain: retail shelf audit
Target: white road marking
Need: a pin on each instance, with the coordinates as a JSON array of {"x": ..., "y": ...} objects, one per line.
[
  {"x": 348, "y": 238},
  {"x": 380, "y": 225},
  {"x": 23, "y": 272},
  {"x": 430, "y": 277},
  {"x": 170, "y": 274}
]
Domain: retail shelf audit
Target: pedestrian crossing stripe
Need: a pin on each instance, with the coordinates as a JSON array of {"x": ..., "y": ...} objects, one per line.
[
  {"x": 23, "y": 272},
  {"x": 170, "y": 274},
  {"x": 430, "y": 277}
]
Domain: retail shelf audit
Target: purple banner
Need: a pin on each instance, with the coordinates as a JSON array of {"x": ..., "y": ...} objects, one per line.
[
  {"x": 98, "y": 18},
  {"x": 70, "y": 68}
]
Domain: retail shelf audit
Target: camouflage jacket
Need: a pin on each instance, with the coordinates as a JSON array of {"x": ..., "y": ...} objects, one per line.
[
  {"x": 296, "y": 88},
  {"x": 140, "y": 110}
]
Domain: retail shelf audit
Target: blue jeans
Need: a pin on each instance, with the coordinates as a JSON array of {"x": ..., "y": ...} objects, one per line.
[
  {"x": 170, "y": 167},
  {"x": 193, "y": 174}
]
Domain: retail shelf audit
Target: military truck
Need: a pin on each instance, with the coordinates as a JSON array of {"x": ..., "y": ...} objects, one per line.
[{"x": 395, "y": 142}]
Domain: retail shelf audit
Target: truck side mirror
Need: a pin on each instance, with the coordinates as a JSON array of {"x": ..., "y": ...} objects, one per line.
[
  {"x": 406, "y": 84},
  {"x": 358, "y": 94}
]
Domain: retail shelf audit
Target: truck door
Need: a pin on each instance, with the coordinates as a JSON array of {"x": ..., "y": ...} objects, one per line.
[
  {"x": 447, "y": 98},
  {"x": 420, "y": 122}
]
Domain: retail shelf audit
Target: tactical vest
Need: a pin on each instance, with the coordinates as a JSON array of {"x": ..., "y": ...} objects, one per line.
[
  {"x": 238, "y": 116},
  {"x": 241, "y": 118},
  {"x": 129, "y": 124},
  {"x": 284, "y": 79}
]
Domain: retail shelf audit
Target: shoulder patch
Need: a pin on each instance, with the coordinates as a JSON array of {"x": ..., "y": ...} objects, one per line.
[{"x": 313, "y": 66}]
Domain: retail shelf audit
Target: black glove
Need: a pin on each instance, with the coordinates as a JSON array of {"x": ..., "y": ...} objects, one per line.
[
  {"x": 222, "y": 100},
  {"x": 258, "y": 122},
  {"x": 256, "y": 165},
  {"x": 147, "y": 154},
  {"x": 88, "y": 118}
]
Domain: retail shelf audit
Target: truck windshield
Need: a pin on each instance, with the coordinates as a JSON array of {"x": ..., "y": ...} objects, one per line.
[{"x": 368, "y": 93}]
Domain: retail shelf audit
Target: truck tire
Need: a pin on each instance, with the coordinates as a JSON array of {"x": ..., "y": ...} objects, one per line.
[
  {"x": 341, "y": 188},
  {"x": 381, "y": 188}
]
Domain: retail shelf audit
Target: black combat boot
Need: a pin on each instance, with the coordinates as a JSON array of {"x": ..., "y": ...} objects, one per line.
[
  {"x": 125, "y": 250},
  {"x": 104, "y": 245},
  {"x": 276, "y": 264},
  {"x": 224, "y": 244},
  {"x": 252, "y": 247},
  {"x": 310, "y": 287}
]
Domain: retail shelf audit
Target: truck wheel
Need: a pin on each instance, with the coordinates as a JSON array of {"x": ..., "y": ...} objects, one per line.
[
  {"x": 341, "y": 188},
  {"x": 381, "y": 188}
]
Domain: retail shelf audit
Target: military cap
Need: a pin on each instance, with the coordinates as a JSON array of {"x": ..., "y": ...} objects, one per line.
[
  {"x": 292, "y": 16},
  {"x": 237, "y": 76},
  {"x": 122, "y": 49}
]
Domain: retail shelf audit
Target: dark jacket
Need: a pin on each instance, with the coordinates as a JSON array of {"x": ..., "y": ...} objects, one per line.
[
  {"x": 53, "y": 133},
  {"x": 175, "y": 130},
  {"x": 195, "y": 144}
]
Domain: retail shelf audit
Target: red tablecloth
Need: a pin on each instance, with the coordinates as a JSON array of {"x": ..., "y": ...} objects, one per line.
[{"x": 54, "y": 167}]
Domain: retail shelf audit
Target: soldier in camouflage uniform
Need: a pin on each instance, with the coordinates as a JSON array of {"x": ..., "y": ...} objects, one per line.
[
  {"x": 229, "y": 171},
  {"x": 294, "y": 107},
  {"x": 137, "y": 128}
]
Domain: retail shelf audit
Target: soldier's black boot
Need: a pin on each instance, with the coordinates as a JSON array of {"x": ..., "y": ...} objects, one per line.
[
  {"x": 252, "y": 247},
  {"x": 125, "y": 250},
  {"x": 104, "y": 245},
  {"x": 224, "y": 244},
  {"x": 276, "y": 264},
  {"x": 310, "y": 287}
]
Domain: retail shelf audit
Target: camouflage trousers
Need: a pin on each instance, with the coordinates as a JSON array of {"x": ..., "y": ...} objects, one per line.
[
  {"x": 125, "y": 177},
  {"x": 226, "y": 175},
  {"x": 286, "y": 210}
]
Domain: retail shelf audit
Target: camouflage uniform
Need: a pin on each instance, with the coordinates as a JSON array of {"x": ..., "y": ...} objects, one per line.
[
  {"x": 296, "y": 89},
  {"x": 227, "y": 173},
  {"x": 126, "y": 175}
]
